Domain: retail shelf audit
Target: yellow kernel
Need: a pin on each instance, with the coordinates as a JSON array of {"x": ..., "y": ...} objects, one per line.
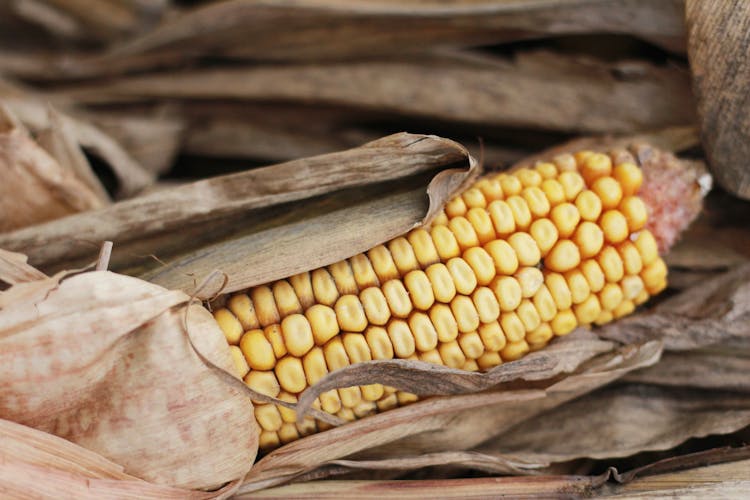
[
  {"x": 239, "y": 362},
  {"x": 441, "y": 281},
  {"x": 323, "y": 323},
  {"x": 445, "y": 324},
  {"x": 303, "y": 289},
  {"x": 276, "y": 339},
  {"x": 614, "y": 225},
  {"x": 520, "y": 210},
  {"x": 511, "y": 185},
  {"x": 564, "y": 322},
  {"x": 526, "y": 249},
  {"x": 632, "y": 286},
  {"x": 425, "y": 336},
  {"x": 405, "y": 398},
  {"x": 335, "y": 354},
  {"x": 489, "y": 360},
  {"x": 463, "y": 276},
  {"x": 471, "y": 344},
  {"x": 324, "y": 287},
  {"x": 503, "y": 255},
  {"x": 626, "y": 307},
  {"x": 491, "y": 189},
  {"x": 647, "y": 247},
  {"x": 492, "y": 336},
  {"x": 486, "y": 304},
  {"x": 455, "y": 207},
  {"x": 589, "y": 205},
  {"x": 229, "y": 324},
  {"x": 314, "y": 365},
  {"x": 397, "y": 298},
  {"x": 467, "y": 317},
  {"x": 307, "y": 426},
  {"x": 382, "y": 263},
  {"x": 631, "y": 259},
  {"x": 642, "y": 297},
  {"x": 558, "y": 288},
  {"x": 387, "y": 403},
  {"x": 530, "y": 279},
  {"x": 508, "y": 292},
  {"x": 502, "y": 217},
  {"x": 536, "y": 201},
  {"x": 424, "y": 248},
  {"x": 330, "y": 401},
  {"x": 512, "y": 326},
  {"x": 420, "y": 289},
  {"x": 268, "y": 417},
  {"x": 481, "y": 221},
  {"x": 629, "y": 176},
  {"x": 297, "y": 334},
  {"x": 375, "y": 306},
  {"x": 343, "y": 277},
  {"x": 611, "y": 264},
  {"x": 244, "y": 310},
  {"x": 588, "y": 310},
  {"x": 593, "y": 274},
  {"x": 595, "y": 166},
  {"x": 379, "y": 343},
  {"x": 257, "y": 350},
  {"x": 356, "y": 347},
  {"x": 565, "y": 217},
  {"x": 635, "y": 212},
  {"x": 464, "y": 232},
  {"x": 290, "y": 374},
  {"x": 401, "y": 338},
  {"x": 515, "y": 350},
  {"x": 654, "y": 276},
  {"x": 546, "y": 170},
  {"x": 371, "y": 392},
  {"x": 481, "y": 264},
  {"x": 286, "y": 299},
  {"x": 554, "y": 191},
  {"x": 580, "y": 156},
  {"x": 604, "y": 318},
  {"x": 572, "y": 183},
  {"x": 347, "y": 413},
  {"x": 287, "y": 414},
  {"x": 545, "y": 235},
  {"x": 528, "y": 177},
  {"x": 565, "y": 162},
  {"x": 540, "y": 335},
  {"x": 545, "y": 304},
  {"x": 589, "y": 238},
  {"x": 265, "y": 305},
  {"x": 431, "y": 356},
  {"x": 528, "y": 315},
  {"x": 474, "y": 198},
  {"x": 564, "y": 256},
  {"x": 610, "y": 296},
  {"x": 263, "y": 382},
  {"x": 288, "y": 433},
  {"x": 445, "y": 242},
  {"x": 608, "y": 190},
  {"x": 403, "y": 255},
  {"x": 579, "y": 287}
]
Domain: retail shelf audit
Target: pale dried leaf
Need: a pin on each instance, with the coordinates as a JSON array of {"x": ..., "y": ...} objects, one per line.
[{"x": 14, "y": 269}]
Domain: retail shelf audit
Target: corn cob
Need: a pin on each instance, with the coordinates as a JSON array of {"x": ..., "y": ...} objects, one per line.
[{"x": 510, "y": 263}]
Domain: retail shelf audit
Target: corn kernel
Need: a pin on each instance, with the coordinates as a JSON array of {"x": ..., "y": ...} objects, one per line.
[
  {"x": 276, "y": 339},
  {"x": 512, "y": 326},
  {"x": 297, "y": 334},
  {"x": 565, "y": 162},
  {"x": 545, "y": 304},
  {"x": 635, "y": 212},
  {"x": 286, "y": 300},
  {"x": 546, "y": 170},
  {"x": 356, "y": 347},
  {"x": 503, "y": 255},
  {"x": 397, "y": 298},
  {"x": 425, "y": 335},
  {"x": 403, "y": 255},
  {"x": 611, "y": 264},
  {"x": 405, "y": 398},
  {"x": 631, "y": 259},
  {"x": 579, "y": 287},
  {"x": 564, "y": 323},
  {"x": 290, "y": 374},
  {"x": 230, "y": 325},
  {"x": 257, "y": 350},
  {"x": 527, "y": 251},
  {"x": 596, "y": 166},
  {"x": 647, "y": 247},
  {"x": 379, "y": 343},
  {"x": 587, "y": 311},
  {"x": 563, "y": 256},
  {"x": 420, "y": 289},
  {"x": 268, "y": 440},
  {"x": 441, "y": 281},
  {"x": 481, "y": 221},
  {"x": 553, "y": 191},
  {"x": 610, "y": 296},
  {"x": 445, "y": 243},
  {"x": 502, "y": 217},
  {"x": 589, "y": 205},
  {"x": 455, "y": 207},
  {"x": 471, "y": 344},
  {"x": 463, "y": 276},
  {"x": 593, "y": 274},
  {"x": 589, "y": 238},
  {"x": 528, "y": 315},
  {"x": 511, "y": 185},
  {"x": 473, "y": 198},
  {"x": 545, "y": 235},
  {"x": 654, "y": 276},
  {"x": 540, "y": 335},
  {"x": 528, "y": 177},
  {"x": 423, "y": 246},
  {"x": 467, "y": 317},
  {"x": 265, "y": 305},
  {"x": 481, "y": 264},
  {"x": 530, "y": 279},
  {"x": 632, "y": 286},
  {"x": 382, "y": 262},
  {"x": 401, "y": 338},
  {"x": 387, "y": 403},
  {"x": 608, "y": 190},
  {"x": 264, "y": 382},
  {"x": 492, "y": 336},
  {"x": 565, "y": 217},
  {"x": 268, "y": 417},
  {"x": 604, "y": 318},
  {"x": 288, "y": 433},
  {"x": 324, "y": 287},
  {"x": 239, "y": 362},
  {"x": 303, "y": 289},
  {"x": 614, "y": 225},
  {"x": 444, "y": 322},
  {"x": 323, "y": 323},
  {"x": 451, "y": 354},
  {"x": 626, "y": 307},
  {"x": 491, "y": 189},
  {"x": 244, "y": 310},
  {"x": 514, "y": 350},
  {"x": 520, "y": 210},
  {"x": 372, "y": 392},
  {"x": 375, "y": 306},
  {"x": 572, "y": 183},
  {"x": 343, "y": 276},
  {"x": 629, "y": 176},
  {"x": 489, "y": 360},
  {"x": 486, "y": 304},
  {"x": 536, "y": 201},
  {"x": 464, "y": 232},
  {"x": 558, "y": 288},
  {"x": 314, "y": 365},
  {"x": 508, "y": 292},
  {"x": 364, "y": 274}
]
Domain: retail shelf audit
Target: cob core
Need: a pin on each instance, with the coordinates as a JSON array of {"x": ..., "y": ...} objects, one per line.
[{"x": 510, "y": 263}]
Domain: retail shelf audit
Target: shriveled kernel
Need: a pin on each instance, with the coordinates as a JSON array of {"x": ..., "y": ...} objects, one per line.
[
  {"x": 445, "y": 242},
  {"x": 558, "y": 288},
  {"x": 481, "y": 264},
  {"x": 397, "y": 298},
  {"x": 530, "y": 279},
  {"x": 512, "y": 326},
  {"x": 425, "y": 335},
  {"x": 546, "y": 170},
  {"x": 288, "y": 433},
  {"x": 431, "y": 356},
  {"x": 554, "y": 191},
  {"x": 420, "y": 289},
  {"x": 588, "y": 310},
  {"x": 515, "y": 350},
  {"x": 364, "y": 409},
  {"x": 481, "y": 221},
  {"x": 268, "y": 417},
  {"x": 536, "y": 200},
  {"x": 579, "y": 287},
  {"x": 635, "y": 212},
  {"x": 608, "y": 190},
  {"x": 302, "y": 285},
  {"x": 528, "y": 315},
  {"x": 502, "y": 217},
  {"x": 486, "y": 304},
  {"x": 545, "y": 304},
  {"x": 572, "y": 183},
  {"x": 489, "y": 360},
  {"x": 356, "y": 347},
  {"x": 290, "y": 374},
  {"x": 382, "y": 262},
  {"x": 230, "y": 325},
  {"x": 647, "y": 247},
  {"x": 565, "y": 217},
  {"x": 528, "y": 177},
  {"x": 467, "y": 317},
  {"x": 595, "y": 166},
  {"x": 629, "y": 176},
  {"x": 492, "y": 336},
  {"x": 526, "y": 249},
  {"x": 238, "y": 361},
  {"x": 491, "y": 189},
  {"x": 444, "y": 322},
  {"x": 379, "y": 343},
  {"x": 297, "y": 334},
  {"x": 375, "y": 306},
  {"x": 463, "y": 276},
  {"x": 511, "y": 185},
  {"x": 265, "y": 305},
  {"x": 508, "y": 292},
  {"x": 455, "y": 207},
  {"x": 520, "y": 210},
  {"x": 610, "y": 296},
  {"x": 307, "y": 426},
  {"x": 347, "y": 414},
  {"x": 626, "y": 307},
  {"x": 324, "y": 287},
  {"x": 286, "y": 300},
  {"x": 564, "y": 322},
  {"x": 264, "y": 382},
  {"x": 611, "y": 263},
  {"x": 589, "y": 205},
  {"x": 443, "y": 288},
  {"x": 244, "y": 310},
  {"x": 403, "y": 255},
  {"x": 604, "y": 318},
  {"x": 257, "y": 350},
  {"x": 343, "y": 276},
  {"x": 540, "y": 335},
  {"x": 401, "y": 338},
  {"x": 631, "y": 259},
  {"x": 471, "y": 344},
  {"x": 545, "y": 235},
  {"x": 363, "y": 272},
  {"x": 388, "y": 402},
  {"x": 589, "y": 238},
  {"x": 654, "y": 276},
  {"x": 565, "y": 162},
  {"x": 405, "y": 398},
  {"x": 268, "y": 440},
  {"x": 474, "y": 198},
  {"x": 503, "y": 256},
  {"x": 632, "y": 286},
  {"x": 594, "y": 275},
  {"x": 287, "y": 414},
  {"x": 464, "y": 232},
  {"x": 563, "y": 256},
  {"x": 423, "y": 246},
  {"x": 274, "y": 336},
  {"x": 323, "y": 323}
]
